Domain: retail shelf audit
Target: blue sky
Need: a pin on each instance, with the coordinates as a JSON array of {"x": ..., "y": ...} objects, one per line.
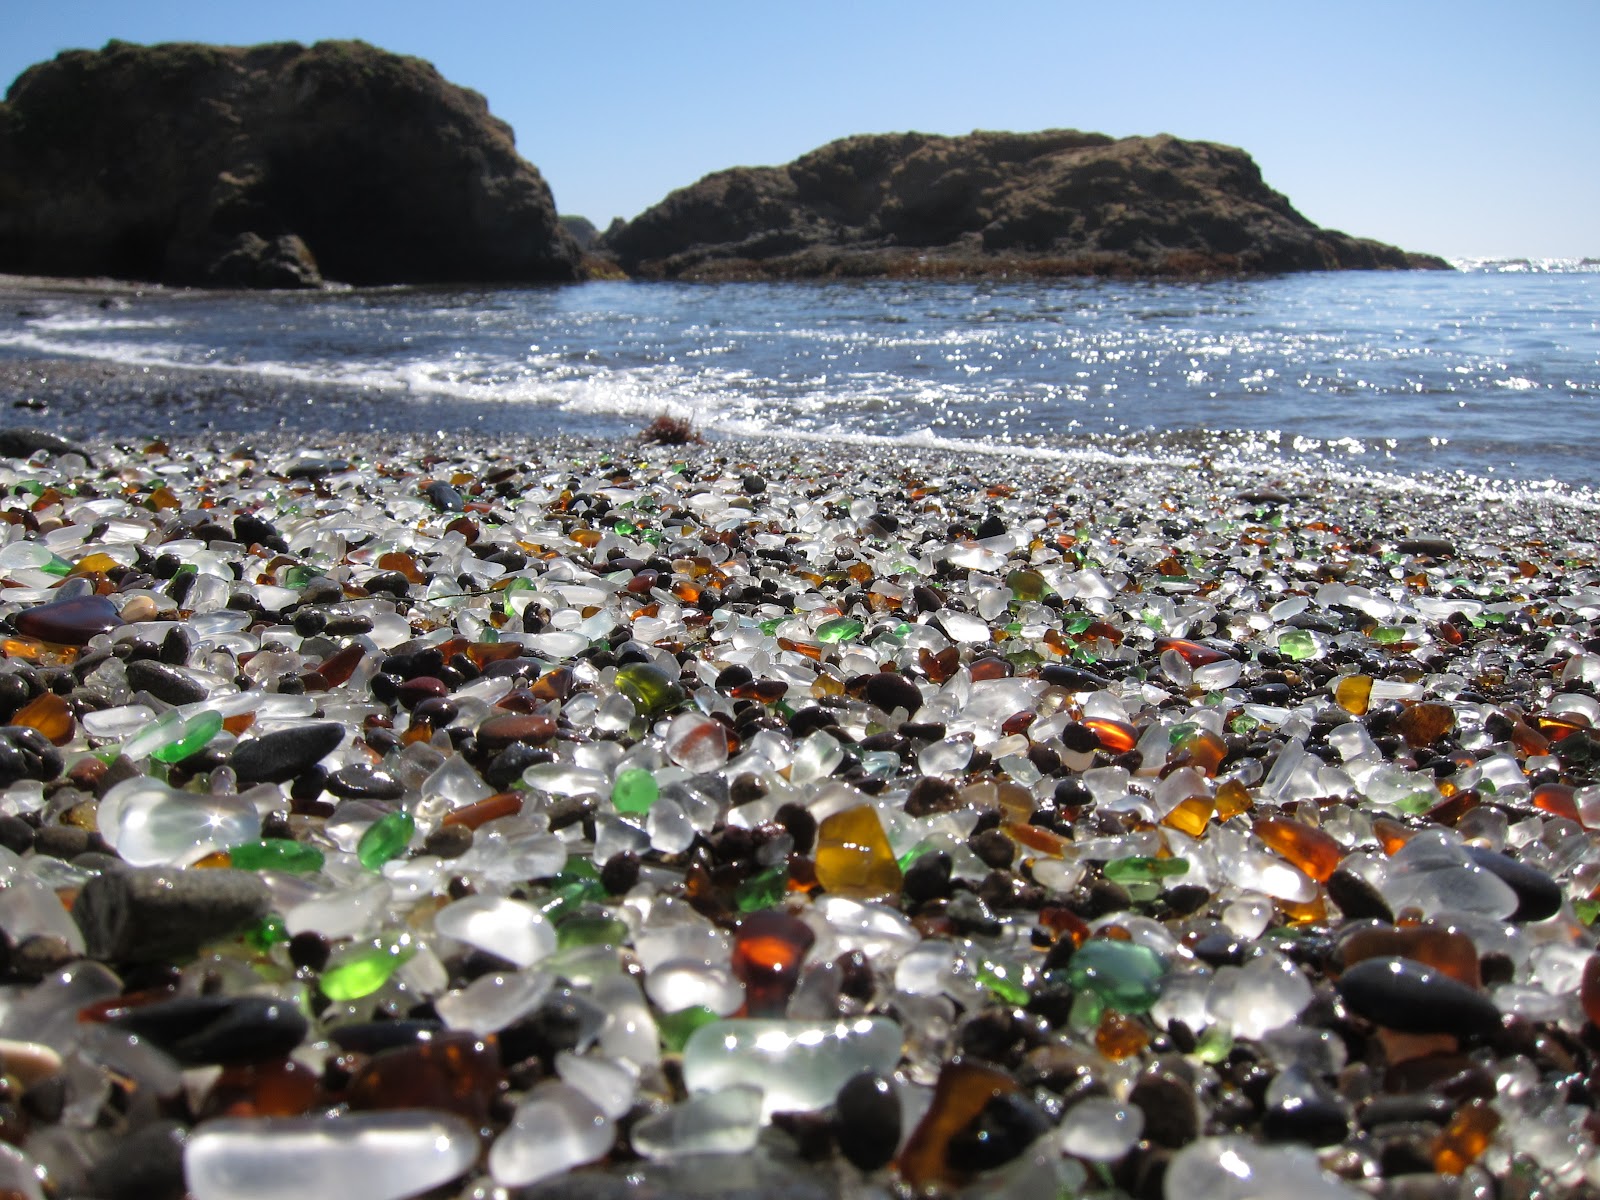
[{"x": 1460, "y": 128}]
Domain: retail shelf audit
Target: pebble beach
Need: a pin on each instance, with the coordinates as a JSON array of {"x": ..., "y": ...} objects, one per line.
[{"x": 394, "y": 813}]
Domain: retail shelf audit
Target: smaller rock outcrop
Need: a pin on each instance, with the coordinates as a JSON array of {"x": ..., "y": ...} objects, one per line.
[
  {"x": 1058, "y": 202},
  {"x": 266, "y": 166}
]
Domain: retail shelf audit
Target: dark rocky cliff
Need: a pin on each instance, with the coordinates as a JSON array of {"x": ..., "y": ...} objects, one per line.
[
  {"x": 269, "y": 166},
  {"x": 1058, "y": 202}
]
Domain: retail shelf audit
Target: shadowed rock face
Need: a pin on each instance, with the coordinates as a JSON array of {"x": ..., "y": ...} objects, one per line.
[
  {"x": 266, "y": 166},
  {"x": 1052, "y": 203}
]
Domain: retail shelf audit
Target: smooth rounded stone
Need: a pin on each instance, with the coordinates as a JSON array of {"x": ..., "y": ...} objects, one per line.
[
  {"x": 554, "y": 1128},
  {"x": 1301, "y": 1108},
  {"x": 25, "y": 753},
  {"x": 217, "y": 1030},
  {"x": 679, "y": 984},
  {"x": 69, "y": 622},
  {"x": 371, "y": 1037},
  {"x": 360, "y": 1156},
  {"x": 1404, "y": 995},
  {"x": 649, "y": 687},
  {"x": 801, "y": 1065},
  {"x": 510, "y": 929},
  {"x": 711, "y": 1123},
  {"x": 1173, "y": 1116},
  {"x": 1434, "y": 872},
  {"x": 498, "y": 732},
  {"x": 1538, "y": 896},
  {"x": 146, "y": 1164},
  {"x": 363, "y": 781},
  {"x": 867, "y": 1120},
  {"x": 173, "y": 685},
  {"x": 150, "y": 824},
  {"x": 283, "y": 754},
  {"x": 1235, "y": 1168},
  {"x": 1100, "y": 1129},
  {"x": 161, "y": 915},
  {"x": 890, "y": 690}
]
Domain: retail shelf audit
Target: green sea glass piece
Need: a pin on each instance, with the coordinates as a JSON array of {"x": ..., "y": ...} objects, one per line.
[
  {"x": 1126, "y": 975},
  {"x": 385, "y": 839},
  {"x": 650, "y": 688},
  {"x": 1026, "y": 584},
  {"x": 190, "y": 737},
  {"x": 1003, "y": 980},
  {"x": 590, "y": 931},
  {"x": 1138, "y": 869},
  {"x": 363, "y": 974},
  {"x": 634, "y": 790},
  {"x": 1296, "y": 644},
  {"x": 839, "y": 629},
  {"x": 762, "y": 890},
  {"x": 277, "y": 854},
  {"x": 676, "y": 1027},
  {"x": 268, "y": 933}
]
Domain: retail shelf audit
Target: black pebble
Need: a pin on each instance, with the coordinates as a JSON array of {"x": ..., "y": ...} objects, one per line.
[
  {"x": 25, "y": 753},
  {"x": 218, "y": 1030},
  {"x": 1538, "y": 896},
  {"x": 167, "y": 683},
  {"x": 1404, "y": 995},
  {"x": 279, "y": 756},
  {"x": 144, "y": 1165},
  {"x": 867, "y": 1121},
  {"x": 154, "y": 914},
  {"x": 890, "y": 690}
]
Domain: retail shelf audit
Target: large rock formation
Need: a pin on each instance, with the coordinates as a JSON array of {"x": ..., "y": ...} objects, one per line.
[
  {"x": 1052, "y": 203},
  {"x": 266, "y": 166}
]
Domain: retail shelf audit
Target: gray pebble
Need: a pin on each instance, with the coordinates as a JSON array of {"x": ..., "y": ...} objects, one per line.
[{"x": 155, "y": 914}]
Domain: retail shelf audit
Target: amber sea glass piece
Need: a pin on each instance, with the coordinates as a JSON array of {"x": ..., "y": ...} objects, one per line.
[
  {"x": 1557, "y": 799},
  {"x": 457, "y": 1071},
  {"x": 853, "y": 857},
  {"x": 963, "y": 1090},
  {"x": 1120, "y": 1036},
  {"x": 1196, "y": 654},
  {"x": 279, "y": 1088},
  {"x": 1190, "y": 817},
  {"x": 1451, "y": 953},
  {"x": 1589, "y": 989},
  {"x": 1425, "y": 723},
  {"x": 1353, "y": 693},
  {"x": 1232, "y": 799},
  {"x": 50, "y": 714},
  {"x": 1308, "y": 848},
  {"x": 769, "y": 949},
  {"x": 1116, "y": 736},
  {"x": 1463, "y": 1141}
]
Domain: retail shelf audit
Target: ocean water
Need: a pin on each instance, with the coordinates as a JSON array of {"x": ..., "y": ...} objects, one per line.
[{"x": 1491, "y": 371}]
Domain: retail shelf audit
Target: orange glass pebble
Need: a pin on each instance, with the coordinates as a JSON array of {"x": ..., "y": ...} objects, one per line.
[
  {"x": 1313, "y": 851},
  {"x": 853, "y": 856},
  {"x": 767, "y": 691},
  {"x": 962, "y": 1092},
  {"x": 1196, "y": 654},
  {"x": 1032, "y": 837},
  {"x": 1353, "y": 694},
  {"x": 1190, "y": 817},
  {"x": 1589, "y": 989},
  {"x": 1391, "y": 835},
  {"x": 1557, "y": 799},
  {"x": 990, "y": 667},
  {"x": 1528, "y": 739},
  {"x": 280, "y": 1088},
  {"x": 1313, "y": 912},
  {"x": 1446, "y": 951},
  {"x": 1463, "y": 1141},
  {"x": 1425, "y": 723},
  {"x": 1558, "y": 729},
  {"x": 1202, "y": 750},
  {"x": 1116, "y": 736},
  {"x": 939, "y": 667},
  {"x": 1120, "y": 1036},
  {"x": 490, "y": 808},
  {"x": 1233, "y": 798},
  {"x": 399, "y": 560},
  {"x": 335, "y": 669},
  {"x": 806, "y": 649},
  {"x": 1064, "y": 923},
  {"x": 768, "y": 950},
  {"x": 50, "y": 714},
  {"x": 481, "y": 654},
  {"x": 457, "y": 1071},
  {"x": 507, "y": 729}
]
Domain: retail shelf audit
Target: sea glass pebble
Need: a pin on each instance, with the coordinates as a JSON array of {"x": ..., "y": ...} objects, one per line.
[
  {"x": 361, "y": 1156},
  {"x": 799, "y": 1065}
]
